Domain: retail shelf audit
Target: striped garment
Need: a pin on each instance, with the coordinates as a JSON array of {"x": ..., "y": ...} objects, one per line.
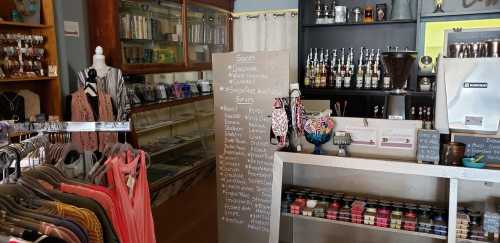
[{"x": 113, "y": 84}]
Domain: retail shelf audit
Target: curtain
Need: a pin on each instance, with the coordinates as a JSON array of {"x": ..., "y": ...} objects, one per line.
[{"x": 268, "y": 32}]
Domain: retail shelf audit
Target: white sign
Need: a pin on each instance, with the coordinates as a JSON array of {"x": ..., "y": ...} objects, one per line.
[
  {"x": 72, "y": 29},
  {"x": 397, "y": 138},
  {"x": 363, "y": 136}
]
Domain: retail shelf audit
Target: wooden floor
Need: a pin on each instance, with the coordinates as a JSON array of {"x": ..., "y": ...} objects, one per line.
[{"x": 191, "y": 217}]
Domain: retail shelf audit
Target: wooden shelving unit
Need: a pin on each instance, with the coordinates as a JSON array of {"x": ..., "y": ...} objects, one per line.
[
  {"x": 188, "y": 12},
  {"x": 24, "y": 25},
  {"x": 48, "y": 88}
]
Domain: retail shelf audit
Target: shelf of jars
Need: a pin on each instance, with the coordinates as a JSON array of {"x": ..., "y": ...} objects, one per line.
[
  {"x": 418, "y": 219},
  {"x": 469, "y": 221}
]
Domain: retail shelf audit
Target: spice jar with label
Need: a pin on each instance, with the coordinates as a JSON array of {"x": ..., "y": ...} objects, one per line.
[
  {"x": 320, "y": 209},
  {"x": 424, "y": 220},
  {"x": 333, "y": 210},
  {"x": 357, "y": 210},
  {"x": 397, "y": 216},
  {"x": 298, "y": 204},
  {"x": 476, "y": 228},
  {"x": 383, "y": 215},
  {"x": 410, "y": 218},
  {"x": 370, "y": 213},
  {"x": 345, "y": 211},
  {"x": 440, "y": 222}
]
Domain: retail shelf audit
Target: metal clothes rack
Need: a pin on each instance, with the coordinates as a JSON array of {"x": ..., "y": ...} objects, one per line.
[
  {"x": 51, "y": 127},
  {"x": 15, "y": 152}
]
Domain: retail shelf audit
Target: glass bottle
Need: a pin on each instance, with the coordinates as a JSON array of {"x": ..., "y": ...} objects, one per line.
[
  {"x": 360, "y": 73},
  {"x": 340, "y": 71},
  {"x": 324, "y": 73},
  {"x": 318, "y": 12},
  {"x": 317, "y": 70},
  {"x": 308, "y": 71},
  {"x": 333, "y": 70},
  {"x": 368, "y": 75},
  {"x": 350, "y": 69}
]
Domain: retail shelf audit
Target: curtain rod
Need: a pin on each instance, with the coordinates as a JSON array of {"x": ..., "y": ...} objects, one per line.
[{"x": 271, "y": 11}]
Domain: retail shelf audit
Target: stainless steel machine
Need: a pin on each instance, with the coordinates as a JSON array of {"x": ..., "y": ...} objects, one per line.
[{"x": 468, "y": 95}]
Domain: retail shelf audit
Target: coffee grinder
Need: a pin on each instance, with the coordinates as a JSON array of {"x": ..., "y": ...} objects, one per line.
[{"x": 399, "y": 65}]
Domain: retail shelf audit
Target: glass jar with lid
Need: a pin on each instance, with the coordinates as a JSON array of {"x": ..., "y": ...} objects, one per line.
[
  {"x": 370, "y": 213},
  {"x": 410, "y": 218},
  {"x": 383, "y": 215},
  {"x": 424, "y": 220},
  {"x": 440, "y": 222},
  {"x": 397, "y": 216}
]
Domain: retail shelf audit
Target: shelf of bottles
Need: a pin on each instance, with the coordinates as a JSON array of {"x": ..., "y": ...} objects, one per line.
[
  {"x": 207, "y": 33},
  {"x": 151, "y": 32},
  {"x": 336, "y": 69}
]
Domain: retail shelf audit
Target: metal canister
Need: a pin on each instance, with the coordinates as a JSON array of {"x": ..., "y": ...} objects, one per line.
[
  {"x": 493, "y": 48},
  {"x": 357, "y": 17},
  {"x": 340, "y": 14},
  {"x": 453, "y": 153}
]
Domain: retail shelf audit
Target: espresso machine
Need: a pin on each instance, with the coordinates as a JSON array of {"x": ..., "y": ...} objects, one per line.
[
  {"x": 399, "y": 65},
  {"x": 468, "y": 95}
]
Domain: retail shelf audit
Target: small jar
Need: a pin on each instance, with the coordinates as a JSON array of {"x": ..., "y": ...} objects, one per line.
[
  {"x": 370, "y": 214},
  {"x": 396, "y": 217},
  {"x": 440, "y": 223},
  {"x": 345, "y": 211},
  {"x": 425, "y": 84},
  {"x": 424, "y": 220},
  {"x": 410, "y": 219},
  {"x": 357, "y": 210},
  {"x": 369, "y": 14},
  {"x": 357, "y": 15},
  {"x": 383, "y": 215}
]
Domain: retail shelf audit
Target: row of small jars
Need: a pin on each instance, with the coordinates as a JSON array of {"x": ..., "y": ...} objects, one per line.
[{"x": 358, "y": 210}]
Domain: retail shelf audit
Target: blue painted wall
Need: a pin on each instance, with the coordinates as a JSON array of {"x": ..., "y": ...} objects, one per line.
[{"x": 258, "y": 5}]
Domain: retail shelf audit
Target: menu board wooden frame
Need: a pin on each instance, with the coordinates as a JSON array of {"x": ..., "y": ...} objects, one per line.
[{"x": 244, "y": 88}]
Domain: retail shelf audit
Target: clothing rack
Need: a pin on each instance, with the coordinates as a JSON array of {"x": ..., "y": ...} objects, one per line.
[
  {"x": 52, "y": 127},
  {"x": 15, "y": 152}
]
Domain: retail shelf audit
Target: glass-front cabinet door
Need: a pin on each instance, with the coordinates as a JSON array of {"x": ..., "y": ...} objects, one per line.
[
  {"x": 151, "y": 33},
  {"x": 207, "y": 33}
]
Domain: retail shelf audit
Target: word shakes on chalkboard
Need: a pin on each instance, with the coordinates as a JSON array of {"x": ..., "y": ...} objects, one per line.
[
  {"x": 475, "y": 144},
  {"x": 428, "y": 146}
]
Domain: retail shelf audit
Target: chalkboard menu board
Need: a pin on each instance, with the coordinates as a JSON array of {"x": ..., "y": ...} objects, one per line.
[
  {"x": 245, "y": 85},
  {"x": 487, "y": 145},
  {"x": 428, "y": 146}
]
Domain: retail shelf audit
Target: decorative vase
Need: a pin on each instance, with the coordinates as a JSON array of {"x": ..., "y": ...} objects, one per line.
[{"x": 401, "y": 10}]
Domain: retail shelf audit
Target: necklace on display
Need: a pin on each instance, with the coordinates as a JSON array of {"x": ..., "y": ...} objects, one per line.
[{"x": 12, "y": 105}]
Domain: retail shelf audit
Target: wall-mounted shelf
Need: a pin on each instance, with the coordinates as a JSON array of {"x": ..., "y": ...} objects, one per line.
[
  {"x": 411, "y": 21},
  {"x": 24, "y": 25},
  {"x": 47, "y": 88},
  {"x": 424, "y": 17},
  {"x": 363, "y": 226},
  {"x": 163, "y": 125},
  {"x": 27, "y": 79},
  {"x": 155, "y": 106},
  {"x": 312, "y": 92}
]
